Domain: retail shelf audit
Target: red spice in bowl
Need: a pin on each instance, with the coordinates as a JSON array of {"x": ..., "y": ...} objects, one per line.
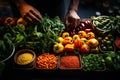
[{"x": 70, "y": 62}]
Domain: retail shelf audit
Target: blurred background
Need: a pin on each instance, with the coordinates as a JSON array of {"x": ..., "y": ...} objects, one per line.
[
  {"x": 87, "y": 8},
  {"x": 5, "y": 8}
]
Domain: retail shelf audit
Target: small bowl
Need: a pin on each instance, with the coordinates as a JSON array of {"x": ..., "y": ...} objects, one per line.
[
  {"x": 98, "y": 30},
  {"x": 46, "y": 61},
  {"x": 66, "y": 67},
  {"x": 27, "y": 65}
]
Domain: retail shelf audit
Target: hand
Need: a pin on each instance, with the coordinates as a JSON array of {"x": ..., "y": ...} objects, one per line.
[
  {"x": 72, "y": 18},
  {"x": 30, "y": 14}
]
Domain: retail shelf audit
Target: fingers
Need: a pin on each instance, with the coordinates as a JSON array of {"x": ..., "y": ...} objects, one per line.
[
  {"x": 33, "y": 17},
  {"x": 76, "y": 22},
  {"x": 38, "y": 16},
  {"x": 72, "y": 22}
]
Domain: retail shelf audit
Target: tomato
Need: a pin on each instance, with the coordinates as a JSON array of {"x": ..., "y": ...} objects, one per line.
[
  {"x": 92, "y": 42},
  {"x": 85, "y": 48},
  {"x": 82, "y": 34},
  {"x": 90, "y": 35},
  {"x": 9, "y": 21},
  {"x": 117, "y": 43}
]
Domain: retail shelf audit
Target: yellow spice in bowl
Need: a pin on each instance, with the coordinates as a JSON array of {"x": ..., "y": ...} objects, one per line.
[{"x": 24, "y": 58}]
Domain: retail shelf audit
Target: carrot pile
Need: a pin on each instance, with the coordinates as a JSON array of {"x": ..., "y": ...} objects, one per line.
[{"x": 46, "y": 61}]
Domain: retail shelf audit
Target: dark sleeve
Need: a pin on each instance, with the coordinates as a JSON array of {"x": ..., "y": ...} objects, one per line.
[{"x": 15, "y": 10}]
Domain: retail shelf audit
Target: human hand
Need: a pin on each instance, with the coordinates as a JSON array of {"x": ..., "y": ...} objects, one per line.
[
  {"x": 72, "y": 19},
  {"x": 30, "y": 14}
]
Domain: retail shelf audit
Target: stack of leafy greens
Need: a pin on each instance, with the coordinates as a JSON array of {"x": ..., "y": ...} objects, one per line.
[
  {"x": 40, "y": 37},
  {"x": 43, "y": 36},
  {"x": 10, "y": 37}
]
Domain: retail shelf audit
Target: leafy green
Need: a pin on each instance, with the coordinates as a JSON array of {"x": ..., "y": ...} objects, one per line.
[{"x": 93, "y": 62}]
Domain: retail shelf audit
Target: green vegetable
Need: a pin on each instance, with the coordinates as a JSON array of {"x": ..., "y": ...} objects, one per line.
[{"x": 93, "y": 62}]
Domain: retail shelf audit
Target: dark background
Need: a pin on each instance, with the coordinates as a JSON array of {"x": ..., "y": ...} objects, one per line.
[{"x": 86, "y": 10}]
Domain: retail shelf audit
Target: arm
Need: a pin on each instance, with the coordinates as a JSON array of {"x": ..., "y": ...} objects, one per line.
[
  {"x": 72, "y": 16},
  {"x": 74, "y": 5},
  {"x": 28, "y": 12}
]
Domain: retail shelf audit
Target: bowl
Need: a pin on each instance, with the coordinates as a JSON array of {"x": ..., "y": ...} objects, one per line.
[
  {"x": 9, "y": 56},
  {"x": 46, "y": 61},
  {"x": 24, "y": 58},
  {"x": 99, "y": 27},
  {"x": 70, "y": 62}
]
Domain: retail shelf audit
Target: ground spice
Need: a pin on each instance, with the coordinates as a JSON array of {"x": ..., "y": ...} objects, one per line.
[
  {"x": 24, "y": 58},
  {"x": 70, "y": 61}
]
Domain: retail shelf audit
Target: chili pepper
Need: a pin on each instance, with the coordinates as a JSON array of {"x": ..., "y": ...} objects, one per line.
[
  {"x": 19, "y": 38},
  {"x": 58, "y": 48}
]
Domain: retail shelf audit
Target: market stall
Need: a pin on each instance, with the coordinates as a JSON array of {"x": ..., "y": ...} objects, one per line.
[{"x": 52, "y": 49}]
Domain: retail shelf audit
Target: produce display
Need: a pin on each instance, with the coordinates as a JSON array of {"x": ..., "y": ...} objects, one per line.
[{"x": 95, "y": 40}]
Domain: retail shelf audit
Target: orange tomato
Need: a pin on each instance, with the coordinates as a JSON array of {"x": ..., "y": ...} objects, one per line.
[{"x": 82, "y": 34}]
